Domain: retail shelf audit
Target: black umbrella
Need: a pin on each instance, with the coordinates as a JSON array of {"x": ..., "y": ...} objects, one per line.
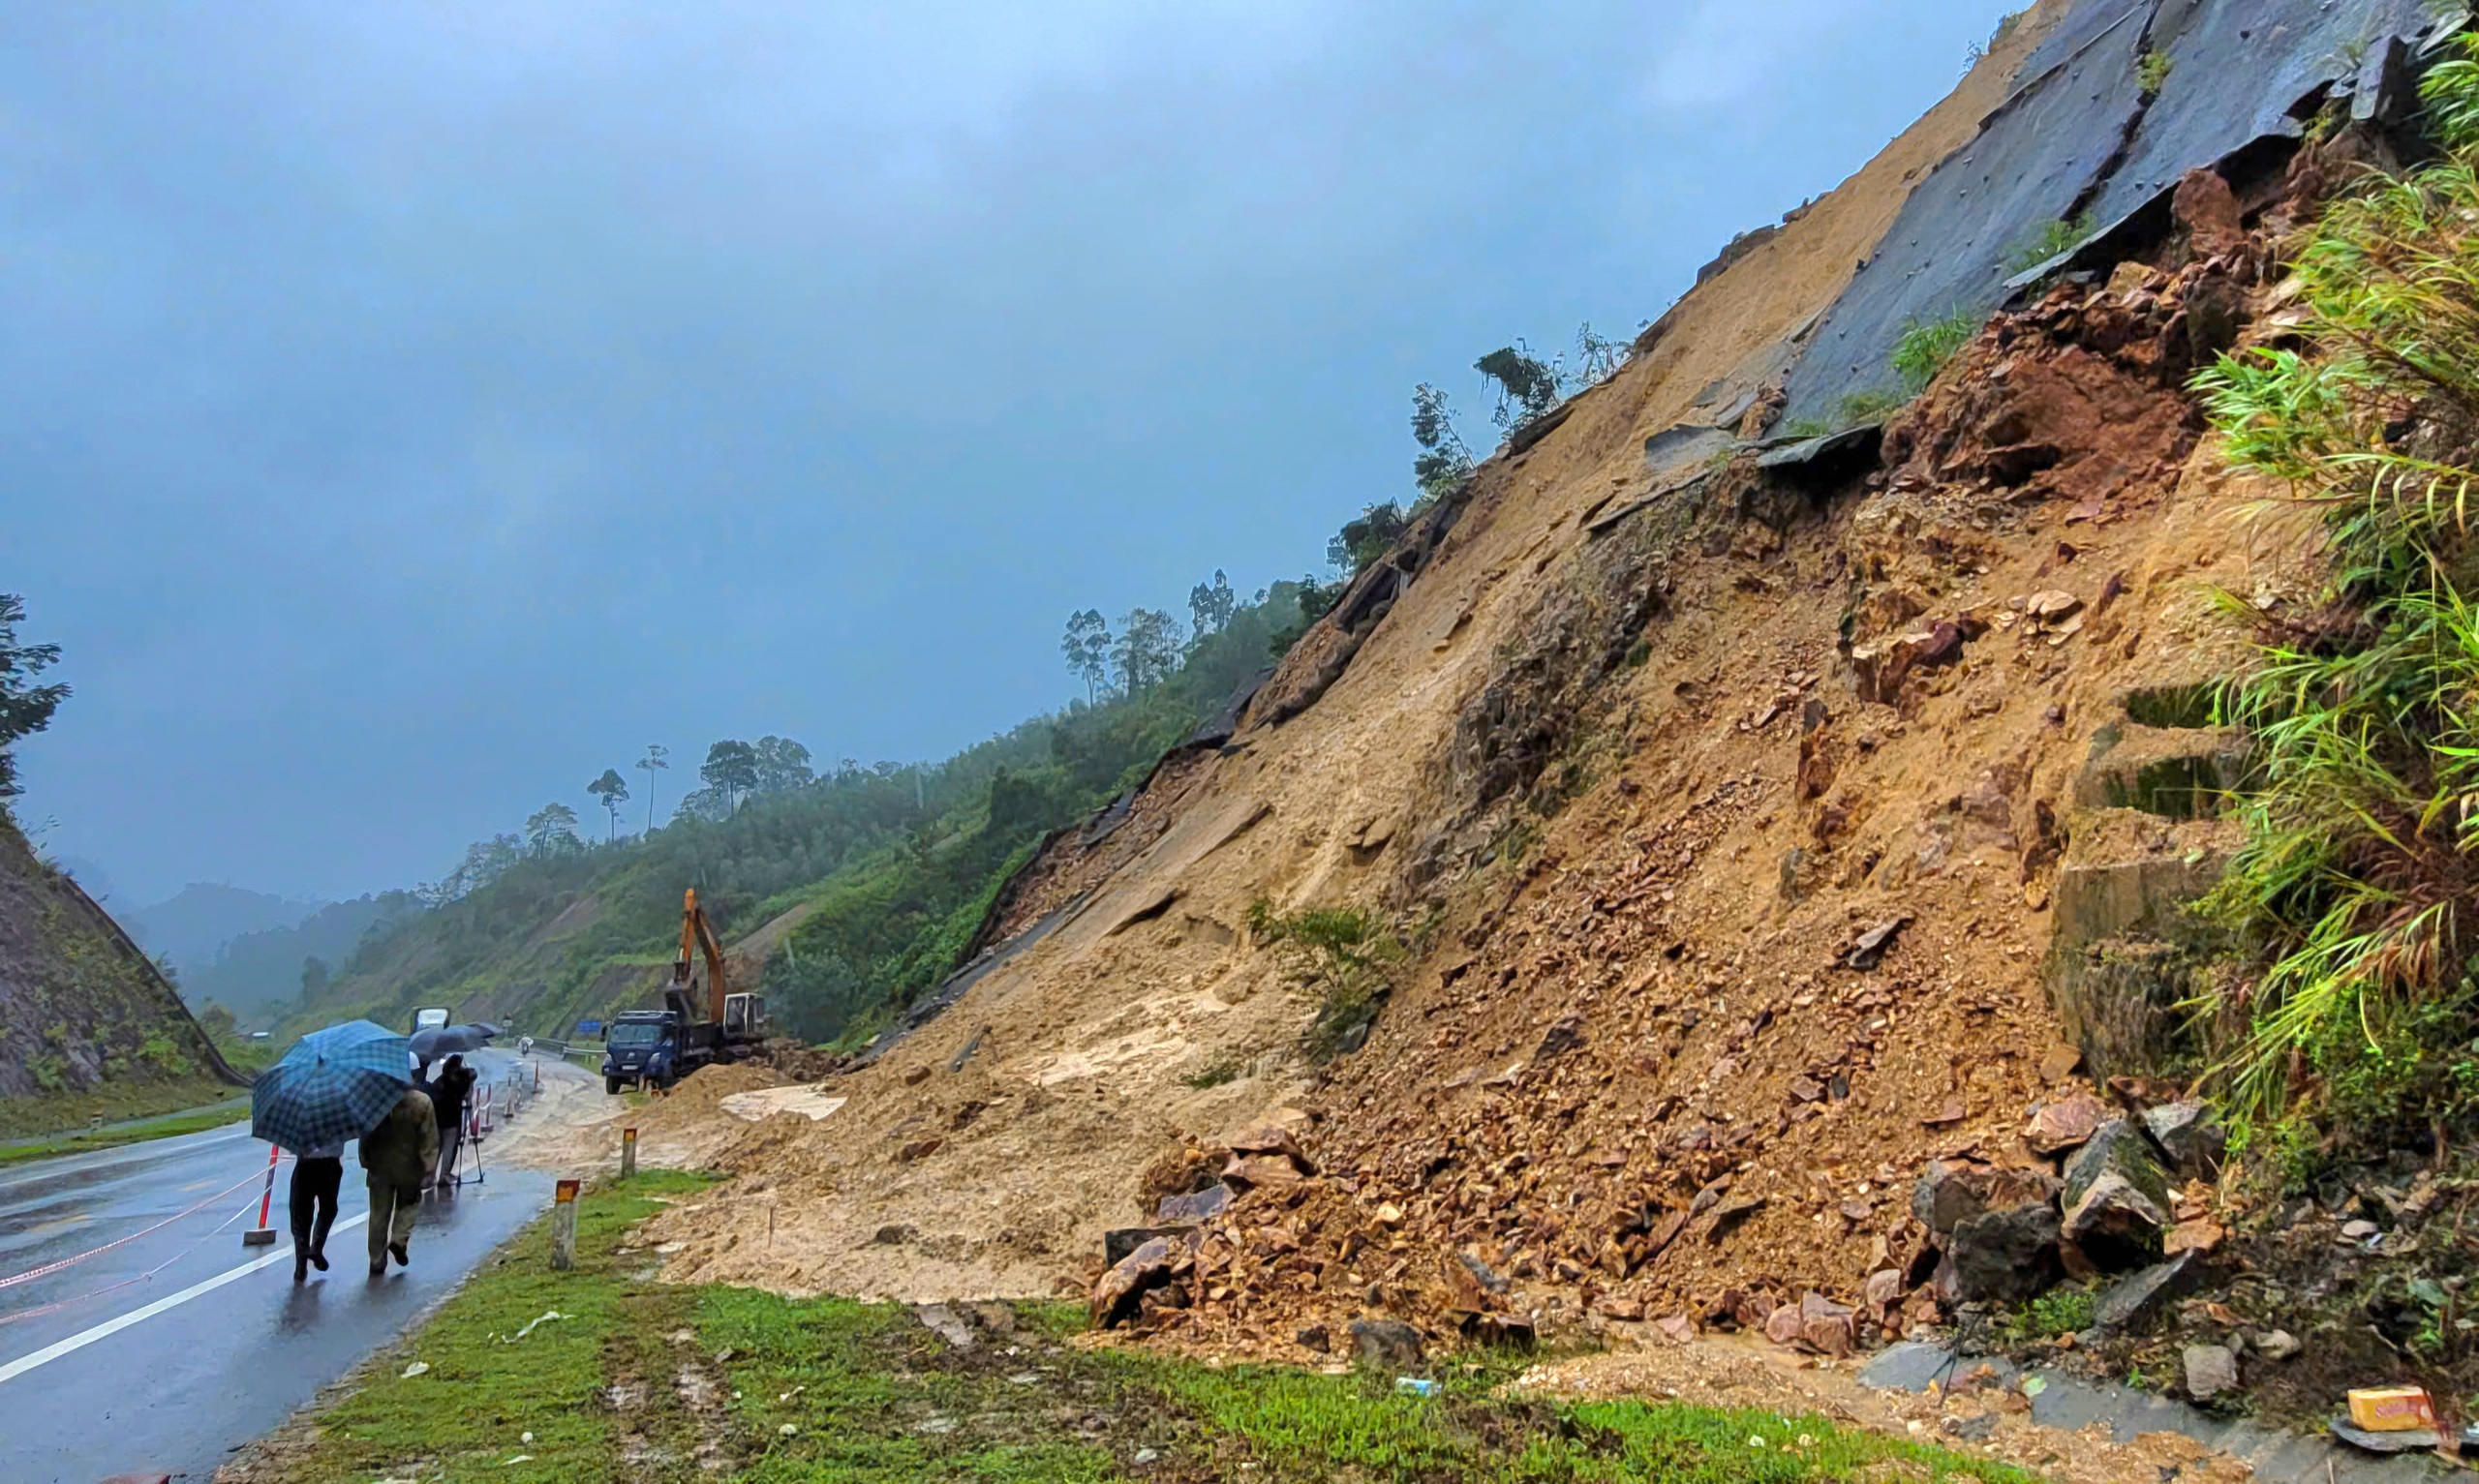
[{"x": 432, "y": 1045}]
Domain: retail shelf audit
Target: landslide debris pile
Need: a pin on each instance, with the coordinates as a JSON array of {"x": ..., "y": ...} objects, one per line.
[
  {"x": 1778, "y": 810},
  {"x": 87, "y": 1022}
]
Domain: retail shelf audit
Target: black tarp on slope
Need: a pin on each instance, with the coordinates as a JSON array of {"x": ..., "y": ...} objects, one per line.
[
  {"x": 2237, "y": 69},
  {"x": 1946, "y": 251},
  {"x": 2062, "y": 144},
  {"x": 2081, "y": 27}
]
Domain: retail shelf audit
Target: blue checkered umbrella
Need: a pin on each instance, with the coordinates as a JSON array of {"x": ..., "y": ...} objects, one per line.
[{"x": 333, "y": 1085}]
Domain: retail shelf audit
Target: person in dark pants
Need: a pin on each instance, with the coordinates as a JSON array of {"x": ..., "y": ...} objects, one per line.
[
  {"x": 449, "y": 1094},
  {"x": 396, "y": 1158},
  {"x": 318, "y": 1176}
]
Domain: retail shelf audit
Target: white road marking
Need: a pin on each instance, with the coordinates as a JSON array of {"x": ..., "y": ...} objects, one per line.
[
  {"x": 110, "y": 1327},
  {"x": 128, "y": 1154}
]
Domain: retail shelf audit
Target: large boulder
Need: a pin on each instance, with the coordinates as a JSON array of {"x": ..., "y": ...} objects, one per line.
[
  {"x": 1951, "y": 1192},
  {"x": 2117, "y": 1198},
  {"x": 2004, "y": 1255},
  {"x": 2137, "y": 1299},
  {"x": 1116, "y": 1297}
]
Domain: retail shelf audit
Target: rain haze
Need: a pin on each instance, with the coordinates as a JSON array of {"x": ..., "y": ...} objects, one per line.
[{"x": 412, "y": 410}]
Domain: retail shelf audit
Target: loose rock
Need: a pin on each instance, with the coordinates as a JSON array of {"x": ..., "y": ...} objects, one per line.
[
  {"x": 2133, "y": 1300},
  {"x": 2116, "y": 1199},
  {"x": 1197, "y": 1207},
  {"x": 2210, "y": 1369},
  {"x": 2004, "y": 1256},
  {"x": 1115, "y": 1297},
  {"x": 1870, "y": 948},
  {"x": 1389, "y": 1345},
  {"x": 1117, "y": 1244},
  {"x": 2069, "y": 1123},
  {"x": 2191, "y": 1137}
]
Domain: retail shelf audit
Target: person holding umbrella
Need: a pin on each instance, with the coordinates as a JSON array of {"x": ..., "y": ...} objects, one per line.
[
  {"x": 449, "y": 1093},
  {"x": 333, "y": 1085}
]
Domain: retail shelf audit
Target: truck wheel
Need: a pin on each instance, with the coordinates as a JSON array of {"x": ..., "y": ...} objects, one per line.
[{"x": 611, "y": 1086}]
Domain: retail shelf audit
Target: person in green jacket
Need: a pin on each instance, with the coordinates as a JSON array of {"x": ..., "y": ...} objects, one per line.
[{"x": 396, "y": 1158}]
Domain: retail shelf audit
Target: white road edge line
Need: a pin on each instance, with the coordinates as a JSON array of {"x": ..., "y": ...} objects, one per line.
[
  {"x": 110, "y": 1327},
  {"x": 128, "y": 1154}
]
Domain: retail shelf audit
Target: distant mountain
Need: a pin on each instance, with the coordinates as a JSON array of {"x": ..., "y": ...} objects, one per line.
[
  {"x": 190, "y": 926},
  {"x": 258, "y": 975}
]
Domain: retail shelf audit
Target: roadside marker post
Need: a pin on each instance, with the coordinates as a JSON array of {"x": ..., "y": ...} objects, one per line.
[
  {"x": 262, "y": 1234},
  {"x": 628, "y": 1154},
  {"x": 564, "y": 1227}
]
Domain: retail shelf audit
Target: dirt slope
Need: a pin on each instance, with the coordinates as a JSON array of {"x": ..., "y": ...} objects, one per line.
[
  {"x": 1093, "y": 1029},
  {"x": 1639, "y": 740}
]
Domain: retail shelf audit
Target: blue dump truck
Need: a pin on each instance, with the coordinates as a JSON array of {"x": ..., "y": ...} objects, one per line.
[{"x": 658, "y": 1048}]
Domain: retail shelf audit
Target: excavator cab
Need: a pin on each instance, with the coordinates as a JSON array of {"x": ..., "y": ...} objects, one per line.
[{"x": 740, "y": 1018}]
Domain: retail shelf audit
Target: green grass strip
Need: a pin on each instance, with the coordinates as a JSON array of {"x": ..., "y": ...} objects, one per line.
[
  {"x": 648, "y": 1381},
  {"x": 169, "y": 1125},
  {"x": 465, "y": 1417}
]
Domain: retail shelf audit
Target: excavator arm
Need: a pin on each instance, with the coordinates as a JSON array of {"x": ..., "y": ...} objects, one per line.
[{"x": 697, "y": 937}]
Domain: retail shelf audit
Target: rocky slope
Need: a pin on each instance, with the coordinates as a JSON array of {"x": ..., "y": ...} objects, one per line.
[
  {"x": 1767, "y": 819},
  {"x": 87, "y": 1024}
]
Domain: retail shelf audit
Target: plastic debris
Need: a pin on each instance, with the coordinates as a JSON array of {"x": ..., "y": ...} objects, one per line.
[
  {"x": 417, "y": 1368},
  {"x": 544, "y": 1317},
  {"x": 1412, "y": 1386},
  {"x": 2392, "y": 1408}
]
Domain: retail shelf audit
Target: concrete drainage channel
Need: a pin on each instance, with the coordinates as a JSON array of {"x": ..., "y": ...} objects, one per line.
[{"x": 2072, "y": 1403}]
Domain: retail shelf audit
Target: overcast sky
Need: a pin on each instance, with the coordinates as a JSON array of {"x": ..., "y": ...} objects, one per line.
[{"x": 410, "y": 410}]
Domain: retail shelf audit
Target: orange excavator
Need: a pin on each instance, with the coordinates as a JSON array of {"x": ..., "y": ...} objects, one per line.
[{"x": 658, "y": 1048}]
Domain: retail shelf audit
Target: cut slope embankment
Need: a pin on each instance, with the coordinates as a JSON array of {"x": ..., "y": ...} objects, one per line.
[{"x": 88, "y": 1025}]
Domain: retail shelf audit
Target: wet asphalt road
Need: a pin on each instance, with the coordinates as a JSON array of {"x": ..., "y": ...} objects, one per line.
[{"x": 170, "y": 1351}]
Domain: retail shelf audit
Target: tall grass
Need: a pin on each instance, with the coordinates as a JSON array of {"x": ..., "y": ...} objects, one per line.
[{"x": 2362, "y": 839}]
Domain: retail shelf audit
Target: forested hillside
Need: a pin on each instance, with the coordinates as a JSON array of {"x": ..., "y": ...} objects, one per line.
[
  {"x": 849, "y": 891},
  {"x": 873, "y": 878}
]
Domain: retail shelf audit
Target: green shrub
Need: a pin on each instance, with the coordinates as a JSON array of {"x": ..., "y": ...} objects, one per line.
[
  {"x": 2152, "y": 70},
  {"x": 2359, "y": 860},
  {"x": 2050, "y": 241},
  {"x": 1221, "y": 1072},
  {"x": 2058, "y": 1312},
  {"x": 1926, "y": 346},
  {"x": 1343, "y": 956}
]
